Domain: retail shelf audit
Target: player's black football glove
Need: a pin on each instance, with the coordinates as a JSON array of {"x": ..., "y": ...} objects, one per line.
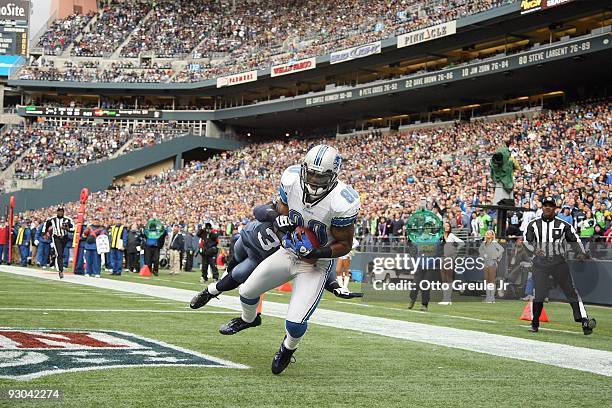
[{"x": 283, "y": 225}]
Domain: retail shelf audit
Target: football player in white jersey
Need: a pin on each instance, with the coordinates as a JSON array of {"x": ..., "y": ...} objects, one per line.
[{"x": 310, "y": 196}]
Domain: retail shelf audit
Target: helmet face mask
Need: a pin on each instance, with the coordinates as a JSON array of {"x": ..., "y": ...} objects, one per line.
[{"x": 319, "y": 172}]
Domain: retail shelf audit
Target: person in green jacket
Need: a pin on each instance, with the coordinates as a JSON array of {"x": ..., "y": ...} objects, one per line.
[
  {"x": 484, "y": 223},
  {"x": 155, "y": 236},
  {"x": 600, "y": 216},
  {"x": 587, "y": 226}
]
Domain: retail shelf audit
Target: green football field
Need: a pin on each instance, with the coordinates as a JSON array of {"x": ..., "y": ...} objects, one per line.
[{"x": 334, "y": 367}]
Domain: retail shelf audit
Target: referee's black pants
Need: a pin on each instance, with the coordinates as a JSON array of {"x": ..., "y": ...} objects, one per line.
[
  {"x": 560, "y": 274},
  {"x": 59, "y": 243}
]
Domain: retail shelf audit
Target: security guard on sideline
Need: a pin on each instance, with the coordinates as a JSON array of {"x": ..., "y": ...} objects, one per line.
[
  {"x": 22, "y": 241},
  {"x": 118, "y": 243},
  {"x": 547, "y": 237}
]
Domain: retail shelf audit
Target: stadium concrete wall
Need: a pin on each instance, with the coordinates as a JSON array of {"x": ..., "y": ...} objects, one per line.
[{"x": 67, "y": 186}]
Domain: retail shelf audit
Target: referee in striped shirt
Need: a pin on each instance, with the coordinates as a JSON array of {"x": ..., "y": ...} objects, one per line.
[
  {"x": 59, "y": 227},
  {"x": 549, "y": 238}
]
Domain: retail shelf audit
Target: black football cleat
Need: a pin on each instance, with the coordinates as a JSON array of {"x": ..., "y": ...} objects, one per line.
[
  {"x": 282, "y": 358},
  {"x": 201, "y": 299},
  {"x": 343, "y": 293},
  {"x": 237, "y": 324},
  {"x": 533, "y": 329},
  {"x": 588, "y": 325},
  {"x": 61, "y": 275}
]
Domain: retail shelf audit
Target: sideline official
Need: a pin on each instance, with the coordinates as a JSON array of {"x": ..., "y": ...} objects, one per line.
[
  {"x": 58, "y": 228},
  {"x": 547, "y": 237}
]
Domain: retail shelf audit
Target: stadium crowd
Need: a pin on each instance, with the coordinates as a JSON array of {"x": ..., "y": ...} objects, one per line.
[
  {"x": 562, "y": 153},
  {"x": 90, "y": 71},
  {"x": 290, "y": 33},
  {"x": 113, "y": 26},
  {"x": 44, "y": 148},
  {"x": 54, "y": 148},
  {"x": 265, "y": 33},
  {"x": 175, "y": 28},
  {"x": 62, "y": 33}
]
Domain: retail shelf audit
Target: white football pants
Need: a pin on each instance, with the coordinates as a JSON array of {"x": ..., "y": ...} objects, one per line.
[{"x": 281, "y": 267}]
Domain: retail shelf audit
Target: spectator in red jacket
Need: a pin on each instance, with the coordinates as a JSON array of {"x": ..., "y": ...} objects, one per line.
[
  {"x": 608, "y": 236},
  {"x": 4, "y": 242}
]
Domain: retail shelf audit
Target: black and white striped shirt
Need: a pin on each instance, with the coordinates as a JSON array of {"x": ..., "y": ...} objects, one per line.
[
  {"x": 551, "y": 237},
  {"x": 60, "y": 227}
]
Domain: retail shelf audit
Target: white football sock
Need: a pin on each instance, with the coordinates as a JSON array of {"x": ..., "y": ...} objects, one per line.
[
  {"x": 346, "y": 281},
  {"x": 249, "y": 312},
  {"x": 339, "y": 280},
  {"x": 291, "y": 342},
  {"x": 212, "y": 289}
]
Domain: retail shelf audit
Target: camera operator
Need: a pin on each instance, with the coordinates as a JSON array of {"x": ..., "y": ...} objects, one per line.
[{"x": 209, "y": 241}]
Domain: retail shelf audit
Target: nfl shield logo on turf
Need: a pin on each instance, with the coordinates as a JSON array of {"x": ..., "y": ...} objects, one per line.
[{"x": 27, "y": 354}]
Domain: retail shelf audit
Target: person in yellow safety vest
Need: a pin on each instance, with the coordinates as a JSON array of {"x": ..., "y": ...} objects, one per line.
[
  {"x": 22, "y": 240},
  {"x": 118, "y": 243}
]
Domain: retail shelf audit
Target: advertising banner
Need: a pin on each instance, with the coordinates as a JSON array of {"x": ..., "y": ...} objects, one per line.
[
  {"x": 237, "y": 79},
  {"x": 427, "y": 34},
  {"x": 360, "y": 51},
  {"x": 293, "y": 67}
]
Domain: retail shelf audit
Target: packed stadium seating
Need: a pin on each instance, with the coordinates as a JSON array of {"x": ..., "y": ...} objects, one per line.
[
  {"x": 113, "y": 26},
  {"x": 224, "y": 43},
  {"x": 560, "y": 152},
  {"x": 62, "y": 33},
  {"x": 42, "y": 149}
]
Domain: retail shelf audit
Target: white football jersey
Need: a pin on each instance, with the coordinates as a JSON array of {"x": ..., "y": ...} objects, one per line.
[{"x": 339, "y": 208}]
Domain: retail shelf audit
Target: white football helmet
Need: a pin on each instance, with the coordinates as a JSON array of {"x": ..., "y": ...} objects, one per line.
[{"x": 319, "y": 172}]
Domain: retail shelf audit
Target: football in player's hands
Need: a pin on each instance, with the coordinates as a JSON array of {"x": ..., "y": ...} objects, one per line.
[{"x": 304, "y": 242}]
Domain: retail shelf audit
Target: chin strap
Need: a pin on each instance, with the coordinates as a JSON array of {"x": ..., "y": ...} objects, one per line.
[{"x": 305, "y": 195}]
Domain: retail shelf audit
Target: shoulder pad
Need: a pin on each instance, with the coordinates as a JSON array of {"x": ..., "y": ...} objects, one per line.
[
  {"x": 290, "y": 176},
  {"x": 345, "y": 206}
]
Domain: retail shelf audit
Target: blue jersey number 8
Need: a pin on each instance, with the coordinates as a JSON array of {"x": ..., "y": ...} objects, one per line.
[
  {"x": 349, "y": 195},
  {"x": 317, "y": 227}
]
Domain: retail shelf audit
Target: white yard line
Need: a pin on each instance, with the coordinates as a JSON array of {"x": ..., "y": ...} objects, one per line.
[
  {"x": 553, "y": 330},
  {"x": 354, "y": 303},
  {"x": 559, "y": 355},
  {"x": 172, "y": 280},
  {"x": 78, "y": 293},
  {"x": 469, "y": 318},
  {"x": 43, "y": 309}
]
